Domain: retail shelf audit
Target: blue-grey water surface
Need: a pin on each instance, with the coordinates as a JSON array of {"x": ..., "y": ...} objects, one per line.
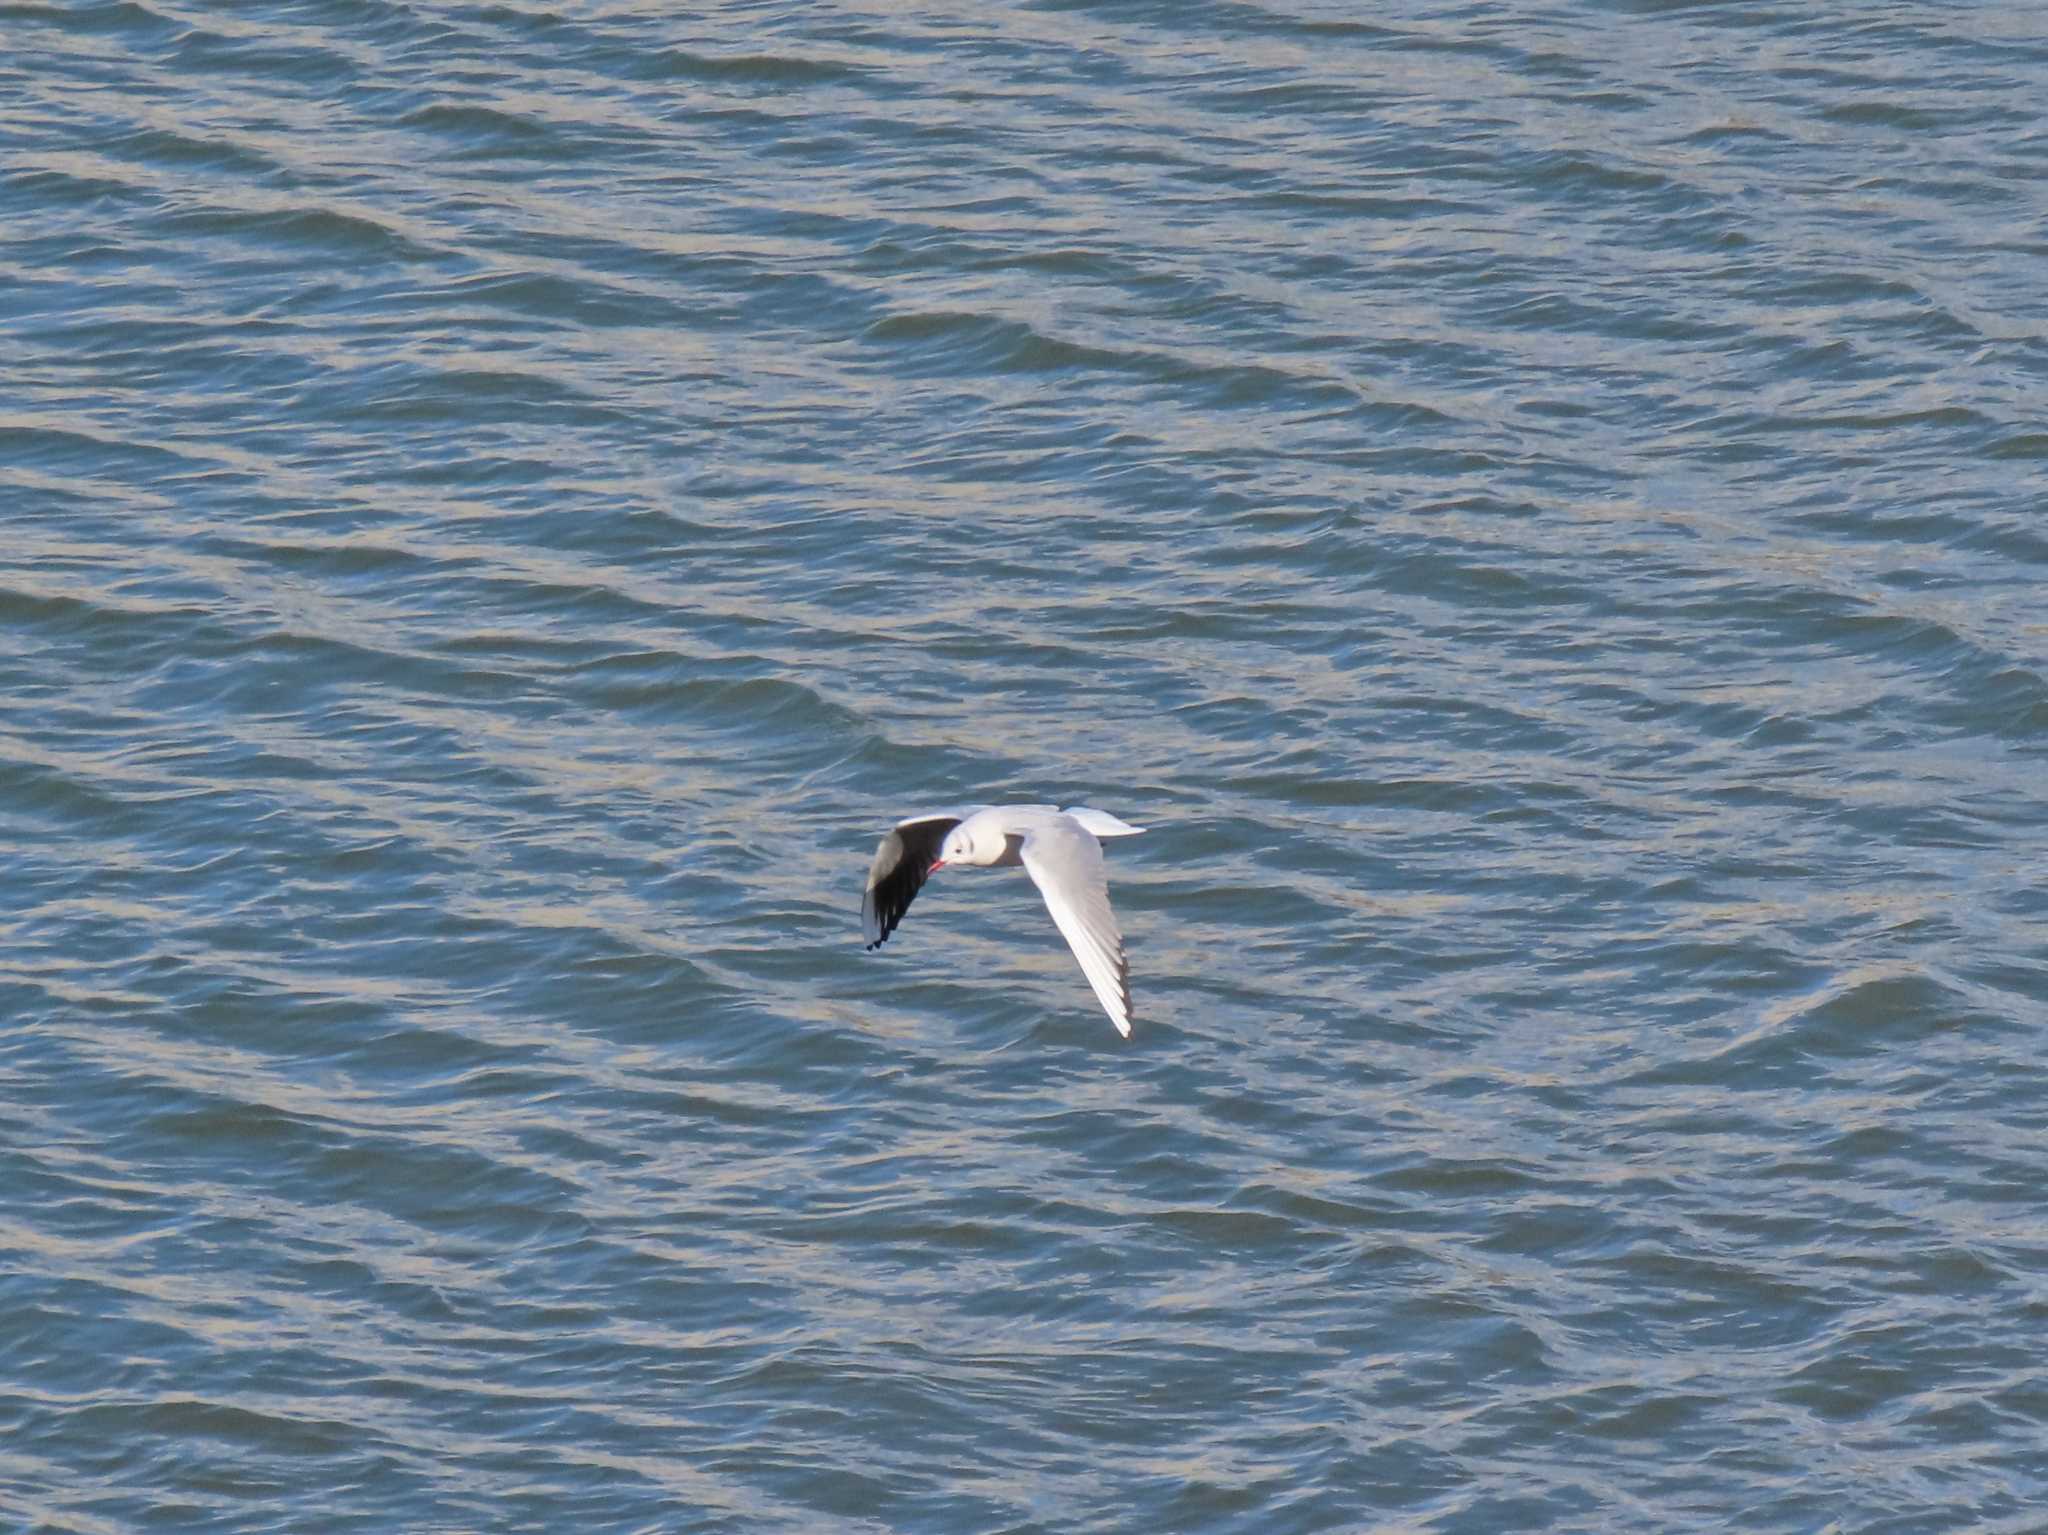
[{"x": 1538, "y": 507}]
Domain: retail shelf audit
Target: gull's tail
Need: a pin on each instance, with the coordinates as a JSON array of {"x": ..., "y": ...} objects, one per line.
[{"x": 1101, "y": 822}]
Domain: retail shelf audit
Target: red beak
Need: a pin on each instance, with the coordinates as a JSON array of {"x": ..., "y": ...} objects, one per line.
[{"x": 937, "y": 864}]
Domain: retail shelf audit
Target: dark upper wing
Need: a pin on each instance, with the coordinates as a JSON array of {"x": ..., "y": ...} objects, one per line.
[{"x": 902, "y": 864}]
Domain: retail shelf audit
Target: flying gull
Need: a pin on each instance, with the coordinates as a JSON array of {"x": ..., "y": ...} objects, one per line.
[{"x": 1058, "y": 849}]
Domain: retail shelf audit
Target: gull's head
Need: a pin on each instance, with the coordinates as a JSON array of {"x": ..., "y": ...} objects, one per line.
[{"x": 967, "y": 843}]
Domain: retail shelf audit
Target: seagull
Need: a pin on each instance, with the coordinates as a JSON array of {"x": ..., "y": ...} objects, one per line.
[{"x": 1058, "y": 848}]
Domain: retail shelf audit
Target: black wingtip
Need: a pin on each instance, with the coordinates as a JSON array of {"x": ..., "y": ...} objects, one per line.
[{"x": 902, "y": 864}]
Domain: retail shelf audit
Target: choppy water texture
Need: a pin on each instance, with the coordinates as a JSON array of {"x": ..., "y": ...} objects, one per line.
[{"x": 1539, "y": 508}]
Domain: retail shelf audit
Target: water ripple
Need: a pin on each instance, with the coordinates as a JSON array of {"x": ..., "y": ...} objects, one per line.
[{"x": 1535, "y": 510}]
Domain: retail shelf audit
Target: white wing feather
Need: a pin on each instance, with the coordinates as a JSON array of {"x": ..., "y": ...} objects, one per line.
[{"x": 1065, "y": 861}]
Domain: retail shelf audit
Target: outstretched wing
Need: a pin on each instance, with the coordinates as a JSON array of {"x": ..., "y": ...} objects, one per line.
[
  {"x": 902, "y": 864},
  {"x": 1065, "y": 861}
]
